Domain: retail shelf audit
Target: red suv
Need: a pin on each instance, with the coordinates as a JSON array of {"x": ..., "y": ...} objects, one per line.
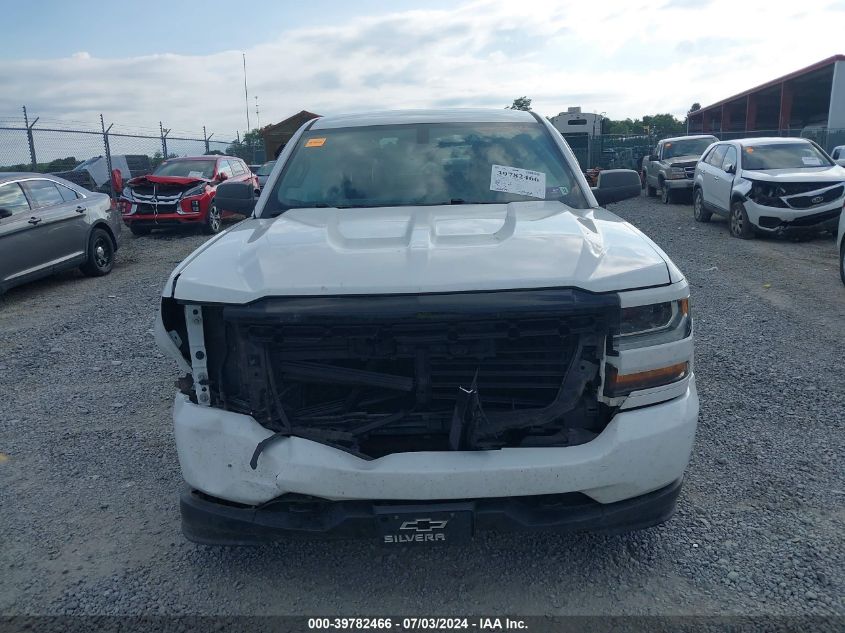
[{"x": 181, "y": 191}]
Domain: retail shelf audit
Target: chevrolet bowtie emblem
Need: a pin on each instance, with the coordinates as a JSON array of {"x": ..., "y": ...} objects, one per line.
[{"x": 424, "y": 525}]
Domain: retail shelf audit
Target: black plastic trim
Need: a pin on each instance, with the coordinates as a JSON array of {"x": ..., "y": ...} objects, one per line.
[
  {"x": 215, "y": 522},
  {"x": 489, "y": 304}
]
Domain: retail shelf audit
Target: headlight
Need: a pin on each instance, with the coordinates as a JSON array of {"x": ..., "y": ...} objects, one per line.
[
  {"x": 643, "y": 327},
  {"x": 653, "y": 324},
  {"x": 677, "y": 172},
  {"x": 195, "y": 191}
]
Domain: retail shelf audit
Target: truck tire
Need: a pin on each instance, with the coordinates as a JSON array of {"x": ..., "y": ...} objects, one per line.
[
  {"x": 665, "y": 193},
  {"x": 738, "y": 222},
  {"x": 650, "y": 191},
  {"x": 842, "y": 261},
  {"x": 698, "y": 211}
]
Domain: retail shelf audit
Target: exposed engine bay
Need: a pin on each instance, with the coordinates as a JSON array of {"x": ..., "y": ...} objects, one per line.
[{"x": 375, "y": 375}]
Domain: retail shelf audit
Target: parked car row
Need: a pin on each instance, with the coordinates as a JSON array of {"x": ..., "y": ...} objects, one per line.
[
  {"x": 775, "y": 186},
  {"x": 49, "y": 223}
]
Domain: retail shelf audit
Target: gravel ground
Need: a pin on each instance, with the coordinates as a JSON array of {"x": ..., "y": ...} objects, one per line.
[{"x": 89, "y": 476}]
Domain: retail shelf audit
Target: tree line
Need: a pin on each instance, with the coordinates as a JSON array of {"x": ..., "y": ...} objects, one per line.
[{"x": 650, "y": 124}]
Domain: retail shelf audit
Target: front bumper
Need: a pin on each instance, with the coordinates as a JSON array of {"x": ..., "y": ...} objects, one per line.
[
  {"x": 679, "y": 183},
  {"x": 640, "y": 451},
  {"x": 777, "y": 219},
  {"x": 163, "y": 219},
  {"x": 207, "y": 521}
]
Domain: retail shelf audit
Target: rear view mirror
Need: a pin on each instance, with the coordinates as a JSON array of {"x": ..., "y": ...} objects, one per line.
[
  {"x": 613, "y": 185},
  {"x": 237, "y": 197},
  {"x": 653, "y": 157},
  {"x": 221, "y": 177},
  {"x": 730, "y": 168}
]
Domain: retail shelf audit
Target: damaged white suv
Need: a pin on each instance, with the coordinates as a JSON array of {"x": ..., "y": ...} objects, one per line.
[
  {"x": 769, "y": 185},
  {"x": 429, "y": 327}
]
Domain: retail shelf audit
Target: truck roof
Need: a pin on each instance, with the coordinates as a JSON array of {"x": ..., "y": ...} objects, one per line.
[
  {"x": 691, "y": 136},
  {"x": 399, "y": 117}
]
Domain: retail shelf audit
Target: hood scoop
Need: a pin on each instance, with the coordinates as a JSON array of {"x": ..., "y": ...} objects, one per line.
[{"x": 422, "y": 228}]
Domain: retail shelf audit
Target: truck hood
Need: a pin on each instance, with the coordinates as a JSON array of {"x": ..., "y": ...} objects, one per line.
[
  {"x": 809, "y": 174},
  {"x": 683, "y": 161},
  {"x": 165, "y": 180},
  {"x": 398, "y": 250}
]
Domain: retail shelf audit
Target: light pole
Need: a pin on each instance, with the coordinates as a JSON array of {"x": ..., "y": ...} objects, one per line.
[
  {"x": 246, "y": 94},
  {"x": 257, "y": 117}
]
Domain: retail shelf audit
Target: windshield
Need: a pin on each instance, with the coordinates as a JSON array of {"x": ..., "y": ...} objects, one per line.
[
  {"x": 265, "y": 169},
  {"x": 425, "y": 164},
  {"x": 187, "y": 168},
  {"x": 688, "y": 147},
  {"x": 783, "y": 156}
]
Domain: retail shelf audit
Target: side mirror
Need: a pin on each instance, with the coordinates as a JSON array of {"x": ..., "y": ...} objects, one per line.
[
  {"x": 5, "y": 213},
  {"x": 730, "y": 168},
  {"x": 236, "y": 197},
  {"x": 221, "y": 177},
  {"x": 653, "y": 157},
  {"x": 614, "y": 185}
]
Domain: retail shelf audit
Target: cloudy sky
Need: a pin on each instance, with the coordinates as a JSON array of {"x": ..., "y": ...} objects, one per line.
[{"x": 179, "y": 62}]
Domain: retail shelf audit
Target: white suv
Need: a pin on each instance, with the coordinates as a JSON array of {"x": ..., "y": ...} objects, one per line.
[
  {"x": 429, "y": 327},
  {"x": 771, "y": 185}
]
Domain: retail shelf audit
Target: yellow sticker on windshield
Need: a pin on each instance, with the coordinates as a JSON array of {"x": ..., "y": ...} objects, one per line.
[
  {"x": 667, "y": 145},
  {"x": 315, "y": 142}
]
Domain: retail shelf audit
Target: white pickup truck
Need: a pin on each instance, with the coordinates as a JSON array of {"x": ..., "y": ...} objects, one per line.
[{"x": 428, "y": 327}]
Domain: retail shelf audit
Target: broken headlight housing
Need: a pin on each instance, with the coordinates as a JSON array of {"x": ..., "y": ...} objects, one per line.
[
  {"x": 767, "y": 194},
  {"x": 653, "y": 324},
  {"x": 194, "y": 191}
]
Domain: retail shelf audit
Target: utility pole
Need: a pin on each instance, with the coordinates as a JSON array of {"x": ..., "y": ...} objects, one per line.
[
  {"x": 257, "y": 117},
  {"x": 246, "y": 94},
  {"x": 164, "y": 132},
  {"x": 29, "y": 138},
  {"x": 108, "y": 155}
]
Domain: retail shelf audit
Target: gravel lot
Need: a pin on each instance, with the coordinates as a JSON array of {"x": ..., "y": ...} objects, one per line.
[{"x": 89, "y": 477}]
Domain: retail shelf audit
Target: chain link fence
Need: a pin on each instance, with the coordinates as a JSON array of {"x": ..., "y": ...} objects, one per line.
[
  {"x": 617, "y": 151},
  {"x": 86, "y": 154}
]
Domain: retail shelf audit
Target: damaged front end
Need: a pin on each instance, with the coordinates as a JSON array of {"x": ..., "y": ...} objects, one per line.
[
  {"x": 404, "y": 373},
  {"x": 147, "y": 197}
]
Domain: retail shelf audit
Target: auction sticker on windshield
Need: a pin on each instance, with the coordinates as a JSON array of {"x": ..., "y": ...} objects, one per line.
[{"x": 523, "y": 182}]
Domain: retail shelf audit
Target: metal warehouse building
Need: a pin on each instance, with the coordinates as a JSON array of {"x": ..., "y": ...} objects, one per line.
[{"x": 809, "y": 102}]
